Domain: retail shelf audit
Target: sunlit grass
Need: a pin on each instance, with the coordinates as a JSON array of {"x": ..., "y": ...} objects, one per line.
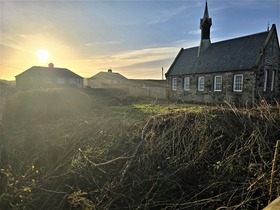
[{"x": 156, "y": 109}]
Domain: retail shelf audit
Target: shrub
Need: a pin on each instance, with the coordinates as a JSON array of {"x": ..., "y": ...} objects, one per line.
[{"x": 43, "y": 105}]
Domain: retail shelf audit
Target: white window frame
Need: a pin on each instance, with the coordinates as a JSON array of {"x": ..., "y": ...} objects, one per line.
[
  {"x": 265, "y": 80},
  {"x": 238, "y": 85},
  {"x": 174, "y": 83},
  {"x": 200, "y": 83},
  {"x": 218, "y": 84},
  {"x": 272, "y": 81},
  {"x": 187, "y": 83}
]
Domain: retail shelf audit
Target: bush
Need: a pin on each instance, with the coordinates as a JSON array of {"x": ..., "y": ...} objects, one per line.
[{"x": 44, "y": 105}]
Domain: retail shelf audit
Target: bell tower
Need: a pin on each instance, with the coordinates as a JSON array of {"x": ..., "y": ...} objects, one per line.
[{"x": 205, "y": 24}]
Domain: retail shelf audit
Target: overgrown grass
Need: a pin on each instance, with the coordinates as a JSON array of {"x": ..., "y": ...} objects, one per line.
[
  {"x": 106, "y": 153},
  {"x": 45, "y": 104},
  {"x": 216, "y": 158}
]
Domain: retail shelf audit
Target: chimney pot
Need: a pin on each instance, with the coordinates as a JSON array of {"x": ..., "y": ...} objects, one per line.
[
  {"x": 51, "y": 65},
  {"x": 110, "y": 70}
]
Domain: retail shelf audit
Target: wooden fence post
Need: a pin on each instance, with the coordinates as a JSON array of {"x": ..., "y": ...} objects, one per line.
[{"x": 273, "y": 169}]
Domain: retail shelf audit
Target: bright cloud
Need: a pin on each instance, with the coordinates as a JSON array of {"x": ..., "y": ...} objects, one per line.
[
  {"x": 129, "y": 58},
  {"x": 142, "y": 63}
]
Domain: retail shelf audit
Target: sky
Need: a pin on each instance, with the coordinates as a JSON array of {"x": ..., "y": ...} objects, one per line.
[{"x": 134, "y": 38}]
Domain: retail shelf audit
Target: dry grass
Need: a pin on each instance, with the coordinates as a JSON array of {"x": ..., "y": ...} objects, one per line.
[
  {"x": 113, "y": 157},
  {"x": 218, "y": 159}
]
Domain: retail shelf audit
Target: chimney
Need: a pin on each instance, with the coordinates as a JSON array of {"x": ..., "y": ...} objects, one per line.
[
  {"x": 51, "y": 65},
  {"x": 110, "y": 70}
]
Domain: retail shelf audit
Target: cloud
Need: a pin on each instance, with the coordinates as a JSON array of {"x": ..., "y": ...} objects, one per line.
[
  {"x": 89, "y": 44},
  {"x": 12, "y": 41},
  {"x": 195, "y": 32},
  {"x": 129, "y": 58},
  {"x": 134, "y": 63},
  {"x": 166, "y": 15}
]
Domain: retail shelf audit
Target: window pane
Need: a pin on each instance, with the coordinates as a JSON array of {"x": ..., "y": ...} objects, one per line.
[
  {"x": 218, "y": 83},
  {"x": 265, "y": 80},
  {"x": 238, "y": 83},
  {"x": 272, "y": 81},
  {"x": 200, "y": 84},
  {"x": 186, "y": 83},
  {"x": 174, "y": 84}
]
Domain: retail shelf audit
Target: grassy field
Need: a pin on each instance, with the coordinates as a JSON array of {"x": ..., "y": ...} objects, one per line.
[{"x": 67, "y": 149}]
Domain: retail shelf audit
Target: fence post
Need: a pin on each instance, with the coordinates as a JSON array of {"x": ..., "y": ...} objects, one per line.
[{"x": 273, "y": 169}]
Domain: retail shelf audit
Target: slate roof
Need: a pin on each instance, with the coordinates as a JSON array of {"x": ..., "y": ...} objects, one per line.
[
  {"x": 230, "y": 55},
  {"x": 108, "y": 76},
  {"x": 39, "y": 71}
]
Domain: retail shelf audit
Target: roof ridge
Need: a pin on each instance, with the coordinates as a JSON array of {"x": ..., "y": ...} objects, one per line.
[
  {"x": 241, "y": 37},
  {"x": 190, "y": 48},
  {"x": 41, "y": 69},
  {"x": 46, "y": 67},
  {"x": 231, "y": 39}
]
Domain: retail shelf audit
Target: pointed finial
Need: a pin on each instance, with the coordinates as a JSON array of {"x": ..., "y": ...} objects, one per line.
[
  {"x": 206, "y": 14},
  {"x": 268, "y": 26}
]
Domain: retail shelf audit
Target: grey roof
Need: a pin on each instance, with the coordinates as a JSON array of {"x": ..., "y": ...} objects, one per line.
[
  {"x": 39, "y": 71},
  {"x": 231, "y": 55},
  {"x": 108, "y": 76}
]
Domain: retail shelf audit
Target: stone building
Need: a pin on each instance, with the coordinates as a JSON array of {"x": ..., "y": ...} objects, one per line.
[
  {"x": 242, "y": 70},
  {"x": 108, "y": 80},
  {"x": 47, "y": 77}
]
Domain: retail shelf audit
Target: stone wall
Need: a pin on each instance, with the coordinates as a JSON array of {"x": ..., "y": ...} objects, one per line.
[
  {"x": 209, "y": 96},
  {"x": 147, "y": 92},
  {"x": 269, "y": 61}
]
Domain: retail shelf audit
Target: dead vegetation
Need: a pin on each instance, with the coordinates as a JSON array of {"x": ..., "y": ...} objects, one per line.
[{"x": 217, "y": 158}]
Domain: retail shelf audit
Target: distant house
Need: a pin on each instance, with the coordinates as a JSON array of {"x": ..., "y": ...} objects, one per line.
[
  {"x": 242, "y": 70},
  {"x": 107, "y": 79},
  {"x": 39, "y": 76},
  {"x": 131, "y": 87}
]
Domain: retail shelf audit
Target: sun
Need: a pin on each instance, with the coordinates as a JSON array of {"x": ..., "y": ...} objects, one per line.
[{"x": 42, "y": 55}]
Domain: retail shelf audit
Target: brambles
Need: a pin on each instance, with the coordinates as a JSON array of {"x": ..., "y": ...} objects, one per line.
[
  {"x": 218, "y": 158},
  {"x": 112, "y": 158}
]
